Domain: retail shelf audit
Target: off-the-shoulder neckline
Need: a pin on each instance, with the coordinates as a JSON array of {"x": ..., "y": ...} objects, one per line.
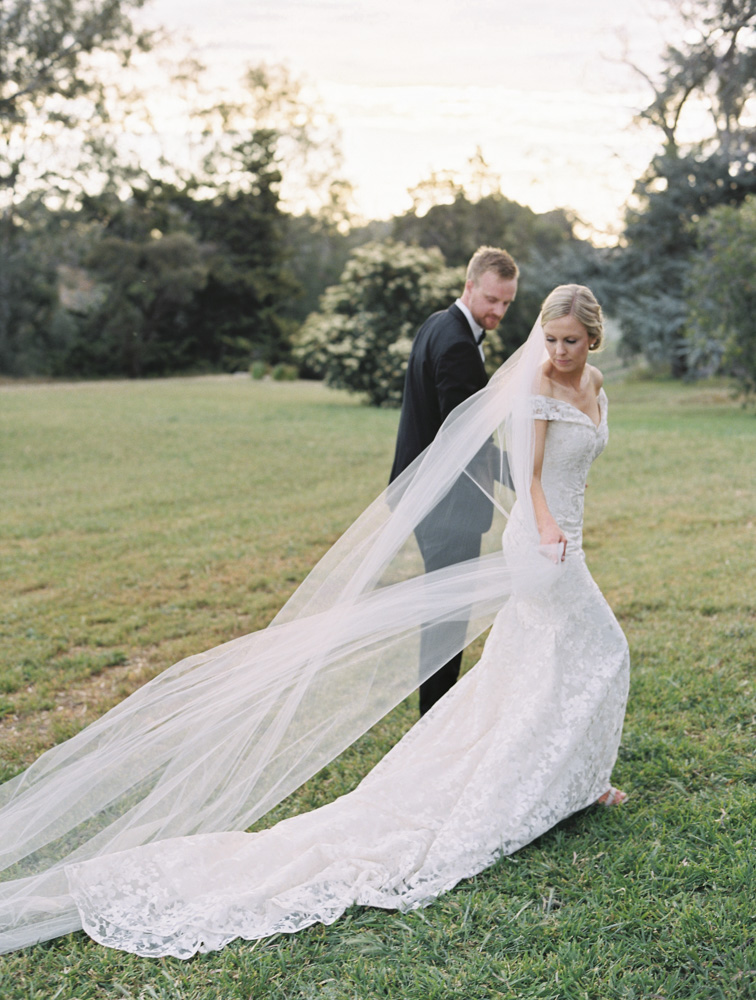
[{"x": 600, "y": 396}]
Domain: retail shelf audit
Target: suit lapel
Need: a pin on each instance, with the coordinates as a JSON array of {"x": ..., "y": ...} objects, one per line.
[{"x": 461, "y": 319}]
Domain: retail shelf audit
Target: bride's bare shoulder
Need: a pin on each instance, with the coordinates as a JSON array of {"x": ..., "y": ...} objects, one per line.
[{"x": 597, "y": 378}]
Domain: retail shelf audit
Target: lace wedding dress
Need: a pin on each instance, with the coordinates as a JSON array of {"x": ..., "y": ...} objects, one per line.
[{"x": 527, "y": 737}]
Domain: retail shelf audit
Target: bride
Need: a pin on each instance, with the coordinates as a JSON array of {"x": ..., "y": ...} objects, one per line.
[{"x": 133, "y": 829}]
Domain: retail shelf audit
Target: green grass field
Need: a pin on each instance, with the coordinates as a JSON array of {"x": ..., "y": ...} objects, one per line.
[{"x": 144, "y": 521}]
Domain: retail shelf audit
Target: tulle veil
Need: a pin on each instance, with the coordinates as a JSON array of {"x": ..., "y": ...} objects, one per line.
[{"x": 218, "y": 739}]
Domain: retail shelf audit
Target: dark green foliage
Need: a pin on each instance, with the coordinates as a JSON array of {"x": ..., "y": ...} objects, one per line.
[
  {"x": 284, "y": 373},
  {"x": 715, "y": 66},
  {"x": 50, "y": 77},
  {"x": 185, "y": 274},
  {"x": 459, "y": 228},
  {"x": 721, "y": 294},
  {"x": 316, "y": 253},
  {"x": 143, "y": 321},
  {"x": 28, "y": 300},
  {"x": 652, "y": 271},
  {"x": 178, "y": 282},
  {"x": 238, "y": 315}
]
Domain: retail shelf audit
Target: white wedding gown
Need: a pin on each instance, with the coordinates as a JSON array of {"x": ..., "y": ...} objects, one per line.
[{"x": 527, "y": 737}]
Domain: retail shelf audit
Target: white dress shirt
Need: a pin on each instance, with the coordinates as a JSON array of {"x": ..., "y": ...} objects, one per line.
[{"x": 477, "y": 329}]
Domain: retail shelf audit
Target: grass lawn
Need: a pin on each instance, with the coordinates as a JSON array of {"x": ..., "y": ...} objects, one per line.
[{"x": 143, "y": 521}]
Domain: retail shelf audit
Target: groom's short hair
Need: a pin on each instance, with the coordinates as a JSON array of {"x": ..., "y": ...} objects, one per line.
[{"x": 492, "y": 259}]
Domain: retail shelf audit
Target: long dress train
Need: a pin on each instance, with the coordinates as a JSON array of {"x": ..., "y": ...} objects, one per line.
[{"x": 526, "y": 738}]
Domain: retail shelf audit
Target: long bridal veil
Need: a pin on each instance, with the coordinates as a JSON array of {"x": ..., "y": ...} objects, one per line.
[{"x": 214, "y": 742}]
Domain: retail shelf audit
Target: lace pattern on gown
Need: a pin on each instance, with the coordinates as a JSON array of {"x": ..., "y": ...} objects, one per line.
[{"x": 523, "y": 740}]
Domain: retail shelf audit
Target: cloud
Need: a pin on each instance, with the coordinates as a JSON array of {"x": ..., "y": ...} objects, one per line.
[{"x": 417, "y": 85}]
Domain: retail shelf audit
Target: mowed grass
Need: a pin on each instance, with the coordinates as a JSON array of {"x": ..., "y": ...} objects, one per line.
[{"x": 144, "y": 521}]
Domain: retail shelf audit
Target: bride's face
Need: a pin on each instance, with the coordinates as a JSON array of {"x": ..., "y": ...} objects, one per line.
[{"x": 567, "y": 342}]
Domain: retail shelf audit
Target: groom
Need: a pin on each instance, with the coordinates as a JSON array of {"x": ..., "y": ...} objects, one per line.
[{"x": 445, "y": 367}]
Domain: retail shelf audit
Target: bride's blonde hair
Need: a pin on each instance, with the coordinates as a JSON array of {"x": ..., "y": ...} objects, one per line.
[{"x": 580, "y": 302}]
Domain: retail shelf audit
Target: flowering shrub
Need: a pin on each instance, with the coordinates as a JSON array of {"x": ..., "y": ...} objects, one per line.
[{"x": 362, "y": 335}]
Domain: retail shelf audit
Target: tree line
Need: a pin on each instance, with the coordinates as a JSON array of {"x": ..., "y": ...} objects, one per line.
[{"x": 198, "y": 263}]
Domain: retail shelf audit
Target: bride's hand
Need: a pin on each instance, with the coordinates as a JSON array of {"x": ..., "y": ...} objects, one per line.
[{"x": 552, "y": 535}]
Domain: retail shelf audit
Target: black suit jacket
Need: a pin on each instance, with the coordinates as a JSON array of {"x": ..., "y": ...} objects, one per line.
[{"x": 445, "y": 367}]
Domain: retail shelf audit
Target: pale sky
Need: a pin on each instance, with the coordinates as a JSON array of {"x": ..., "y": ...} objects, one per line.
[{"x": 417, "y": 85}]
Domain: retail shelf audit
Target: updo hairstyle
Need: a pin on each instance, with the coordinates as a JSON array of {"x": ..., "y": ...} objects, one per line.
[{"x": 580, "y": 302}]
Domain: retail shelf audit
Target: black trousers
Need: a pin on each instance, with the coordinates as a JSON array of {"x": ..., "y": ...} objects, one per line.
[{"x": 437, "y": 552}]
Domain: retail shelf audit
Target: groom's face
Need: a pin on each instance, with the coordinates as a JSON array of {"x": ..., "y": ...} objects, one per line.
[{"x": 489, "y": 297}]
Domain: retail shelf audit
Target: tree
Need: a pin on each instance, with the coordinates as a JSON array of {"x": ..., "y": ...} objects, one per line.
[
  {"x": 651, "y": 273},
  {"x": 52, "y": 80},
  {"x": 28, "y": 295},
  {"x": 316, "y": 251},
  {"x": 192, "y": 277},
  {"x": 721, "y": 294},
  {"x": 458, "y": 227},
  {"x": 708, "y": 84},
  {"x": 224, "y": 201},
  {"x": 46, "y": 50},
  {"x": 239, "y": 315},
  {"x": 145, "y": 328},
  {"x": 712, "y": 71},
  {"x": 57, "y": 61},
  {"x": 361, "y": 337},
  {"x": 268, "y": 141}
]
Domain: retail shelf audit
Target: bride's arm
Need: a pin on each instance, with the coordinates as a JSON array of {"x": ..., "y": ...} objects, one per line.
[{"x": 549, "y": 531}]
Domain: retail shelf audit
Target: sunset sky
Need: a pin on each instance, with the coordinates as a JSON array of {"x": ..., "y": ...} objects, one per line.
[{"x": 417, "y": 85}]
